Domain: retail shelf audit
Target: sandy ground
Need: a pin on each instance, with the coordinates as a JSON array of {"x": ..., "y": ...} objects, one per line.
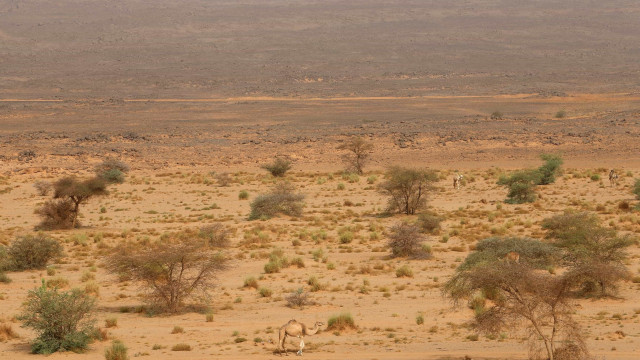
[{"x": 151, "y": 203}]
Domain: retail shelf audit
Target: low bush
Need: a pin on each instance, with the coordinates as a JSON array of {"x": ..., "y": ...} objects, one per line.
[
  {"x": 33, "y": 252},
  {"x": 117, "y": 351},
  {"x": 298, "y": 299},
  {"x": 7, "y": 332},
  {"x": 216, "y": 235},
  {"x": 112, "y": 170},
  {"x": 56, "y": 214},
  {"x": 43, "y": 187},
  {"x": 404, "y": 271},
  {"x": 281, "y": 200},
  {"x": 250, "y": 282},
  {"x": 429, "y": 222},
  {"x": 522, "y": 186},
  {"x": 342, "y": 321},
  {"x": 406, "y": 240},
  {"x": 61, "y": 320},
  {"x": 278, "y": 167},
  {"x": 497, "y": 115},
  {"x": 181, "y": 347}
]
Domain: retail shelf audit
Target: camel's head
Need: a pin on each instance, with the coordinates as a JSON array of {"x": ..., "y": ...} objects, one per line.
[{"x": 319, "y": 323}]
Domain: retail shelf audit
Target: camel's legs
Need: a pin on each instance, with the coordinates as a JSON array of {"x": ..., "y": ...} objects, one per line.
[
  {"x": 301, "y": 346},
  {"x": 284, "y": 339}
]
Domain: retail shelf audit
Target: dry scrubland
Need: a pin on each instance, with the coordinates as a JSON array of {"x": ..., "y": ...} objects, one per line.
[
  {"x": 353, "y": 272},
  {"x": 186, "y": 91}
]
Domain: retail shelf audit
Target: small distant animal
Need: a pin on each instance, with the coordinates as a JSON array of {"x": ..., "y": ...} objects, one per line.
[
  {"x": 512, "y": 256},
  {"x": 457, "y": 181},
  {"x": 296, "y": 329},
  {"x": 613, "y": 178}
]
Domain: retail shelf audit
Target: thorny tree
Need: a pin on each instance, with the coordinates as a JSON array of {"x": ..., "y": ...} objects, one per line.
[
  {"x": 78, "y": 192},
  {"x": 171, "y": 270},
  {"x": 515, "y": 294},
  {"x": 407, "y": 188},
  {"x": 358, "y": 155}
]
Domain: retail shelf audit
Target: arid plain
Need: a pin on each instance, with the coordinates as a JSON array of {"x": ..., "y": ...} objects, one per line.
[{"x": 185, "y": 92}]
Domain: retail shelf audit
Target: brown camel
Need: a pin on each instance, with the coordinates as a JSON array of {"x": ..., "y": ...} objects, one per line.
[
  {"x": 512, "y": 256},
  {"x": 296, "y": 329},
  {"x": 457, "y": 181}
]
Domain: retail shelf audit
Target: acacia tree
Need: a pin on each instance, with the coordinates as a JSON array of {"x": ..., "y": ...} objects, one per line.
[
  {"x": 78, "y": 192},
  {"x": 407, "y": 188},
  {"x": 359, "y": 151},
  {"x": 594, "y": 253},
  {"x": 170, "y": 270},
  {"x": 516, "y": 294}
]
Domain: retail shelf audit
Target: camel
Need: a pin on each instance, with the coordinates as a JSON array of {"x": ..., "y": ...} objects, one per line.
[
  {"x": 457, "y": 181},
  {"x": 296, "y": 329},
  {"x": 512, "y": 256},
  {"x": 613, "y": 178}
]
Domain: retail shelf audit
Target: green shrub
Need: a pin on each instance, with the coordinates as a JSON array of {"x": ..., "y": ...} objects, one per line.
[
  {"x": 277, "y": 261},
  {"x": 271, "y": 267},
  {"x": 342, "y": 321},
  {"x": 33, "y": 251},
  {"x": 278, "y": 167},
  {"x": 636, "y": 188},
  {"x": 281, "y": 200},
  {"x": 117, "y": 351},
  {"x": 550, "y": 169},
  {"x": 346, "y": 237},
  {"x": 243, "y": 195},
  {"x": 532, "y": 252},
  {"x": 112, "y": 170},
  {"x": 297, "y": 262},
  {"x": 113, "y": 176},
  {"x": 61, "y": 320},
  {"x": 265, "y": 292},
  {"x": 522, "y": 186},
  {"x": 404, "y": 271},
  {"x": 420, "y": 319},
  {"x": 560, "y": 114}
]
